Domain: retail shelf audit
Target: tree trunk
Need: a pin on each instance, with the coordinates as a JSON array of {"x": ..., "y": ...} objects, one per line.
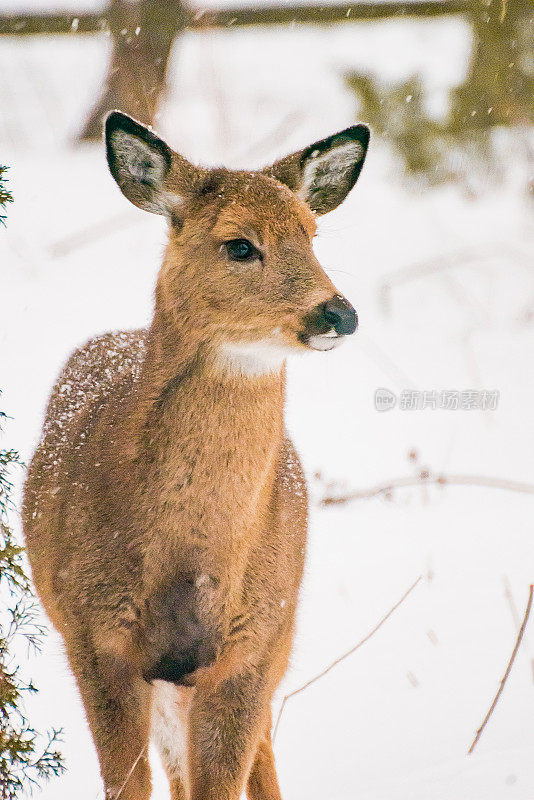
[
  {"x": 500, "y": 85},
  {"x": 143, "y": 32}
]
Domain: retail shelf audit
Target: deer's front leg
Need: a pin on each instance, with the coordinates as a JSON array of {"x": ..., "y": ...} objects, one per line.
[
  {"x": 225, "y": 728},
  {"x": 262, "y": 783}
]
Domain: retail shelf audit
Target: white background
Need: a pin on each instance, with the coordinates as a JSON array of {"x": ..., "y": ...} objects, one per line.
[{"x": 394, "y": 721}]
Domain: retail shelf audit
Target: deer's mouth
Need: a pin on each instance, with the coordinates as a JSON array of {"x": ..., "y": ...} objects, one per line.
[{"x": 325, "y": 341}]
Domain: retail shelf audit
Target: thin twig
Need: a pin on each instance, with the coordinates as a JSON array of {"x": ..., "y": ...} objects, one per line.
[
  {"x": 384, "y": 362},
  {"x": 484, "y": 482},
  {"x": 275, "y": 138},
  {"x": 456, "y": 258},
  {"x": 464, "y": 257},
  {"x": 511, "y": 602},
  {"x": 130, "y": 773},
  {"x": 93, "y": 232},
  {"x": 515, "y": 616},
  {"x": 506, "y": 674},
  {"x": 344, "y": 656}
]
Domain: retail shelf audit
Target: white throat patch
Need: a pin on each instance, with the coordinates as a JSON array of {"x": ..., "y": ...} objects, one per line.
[{"x": 252, "y": 359}]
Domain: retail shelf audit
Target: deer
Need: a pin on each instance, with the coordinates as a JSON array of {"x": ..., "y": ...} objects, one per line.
[{"x": 165, "y": 508}]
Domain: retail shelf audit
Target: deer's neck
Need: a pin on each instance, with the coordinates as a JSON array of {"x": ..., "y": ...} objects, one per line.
[{"x": 208, "y": 438}]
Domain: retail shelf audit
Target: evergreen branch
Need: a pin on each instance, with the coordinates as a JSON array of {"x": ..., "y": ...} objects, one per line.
[
  {"x": 5, "y": 196},
  {"x": 24, "y": 759}
]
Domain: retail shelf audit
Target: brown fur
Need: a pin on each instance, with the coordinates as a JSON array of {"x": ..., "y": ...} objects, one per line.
[{"x": 165, "y": 508}]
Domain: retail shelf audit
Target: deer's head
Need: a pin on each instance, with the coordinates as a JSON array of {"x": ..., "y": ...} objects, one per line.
[{"x": 239, "y": 273}]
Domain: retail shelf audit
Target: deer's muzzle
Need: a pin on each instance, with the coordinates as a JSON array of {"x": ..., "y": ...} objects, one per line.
[{"x": 329, "y": 323}]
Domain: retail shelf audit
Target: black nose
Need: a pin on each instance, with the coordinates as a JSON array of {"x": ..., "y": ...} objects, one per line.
[{"x": 339, "y": 313}]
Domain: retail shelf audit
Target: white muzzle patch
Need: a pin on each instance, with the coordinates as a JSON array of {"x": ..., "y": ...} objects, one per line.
[{"x": 325, "y": 341}]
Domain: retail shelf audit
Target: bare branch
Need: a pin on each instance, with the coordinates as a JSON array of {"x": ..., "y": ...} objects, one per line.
[
  {"x": 484, "y": 482},
  {"x": 320, "y": 15},
  {"x": 93, "y": 232},
  {"x": 31, "y": 24},
  {"x": 511, "y": 602},
  {"x": 130, "y": 773},
  {"x": 444, "y": 262},
  {"x": 506, "y": 674},
  {"x": 344, "y": 656}
]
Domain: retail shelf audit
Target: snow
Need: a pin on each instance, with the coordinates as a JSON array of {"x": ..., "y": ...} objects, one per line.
[{"x": 395, "y": 720}]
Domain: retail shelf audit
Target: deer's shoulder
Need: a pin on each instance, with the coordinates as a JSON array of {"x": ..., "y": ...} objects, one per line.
[{"x": 91, "y": 375}]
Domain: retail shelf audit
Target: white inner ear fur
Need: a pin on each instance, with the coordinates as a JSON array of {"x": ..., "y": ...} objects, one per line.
[
  {"x": 139, "y": 164},
  {"x": 330, "y": 167},
  {"x": 135, "y": 157}
]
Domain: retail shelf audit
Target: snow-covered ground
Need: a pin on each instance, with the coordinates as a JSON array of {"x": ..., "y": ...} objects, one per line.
[{"x": 394, "y": 721}]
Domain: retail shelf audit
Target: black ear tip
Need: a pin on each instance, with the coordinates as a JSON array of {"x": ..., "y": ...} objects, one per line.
[
  {"x": 118, "y": 120},
  {"x": 365, "y": 131},
  {"x": 116, "y": 116},
  {"x": 112, "y": 121},
  {"x": 356, "y": 133},
  {"x": 360, "y": 133}
]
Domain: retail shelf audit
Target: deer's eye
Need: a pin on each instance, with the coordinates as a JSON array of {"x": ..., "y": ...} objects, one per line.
[{"x": 242, "y": 250}]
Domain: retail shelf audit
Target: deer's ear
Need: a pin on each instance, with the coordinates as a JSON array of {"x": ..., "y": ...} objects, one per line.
[
  {"x": 324, "y": 173},
  {"x": 139, "y": 161}
]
